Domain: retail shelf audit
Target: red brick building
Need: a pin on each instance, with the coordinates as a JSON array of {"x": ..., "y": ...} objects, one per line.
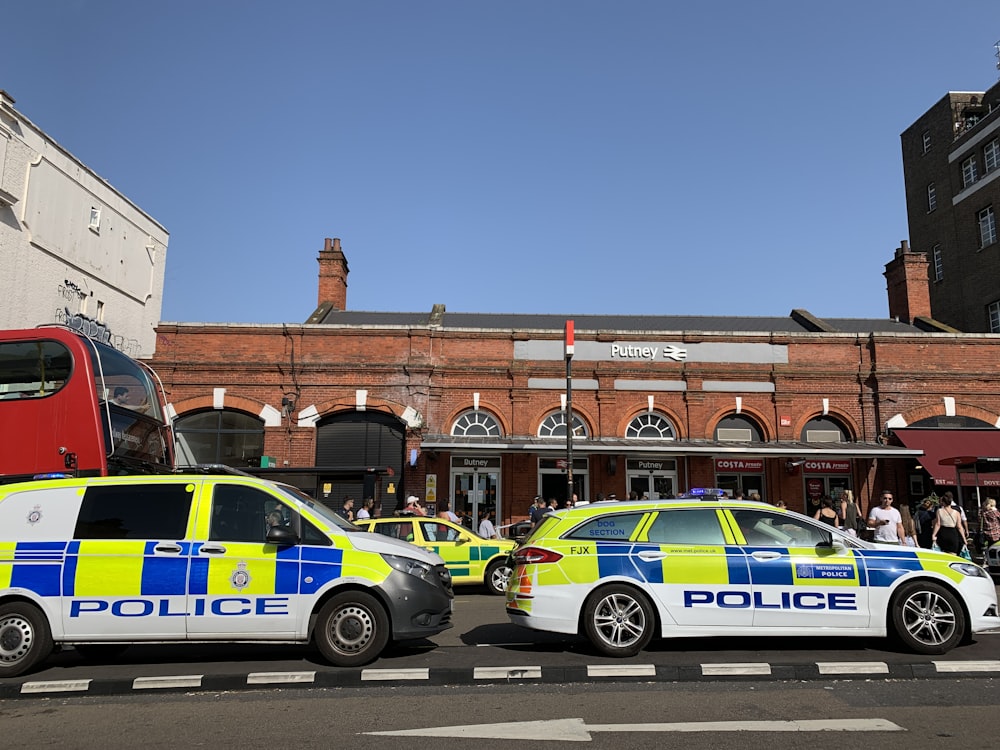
[{"x": 471, "y": 408}]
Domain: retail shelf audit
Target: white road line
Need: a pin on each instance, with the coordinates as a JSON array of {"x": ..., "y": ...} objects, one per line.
[
  {"x": 967, "y": 666},
  {"x": 616, "y": 670},
  {"x": 55, "y": 686},
  {"x": 173, "y": 681},
  {"x": 275, "y": 678},
  {"x": 507, "y": 673},
  {"x": 718, "y": 670},
  {"x": 372, "y": 675},
  {"x": 853, "y": 667}
]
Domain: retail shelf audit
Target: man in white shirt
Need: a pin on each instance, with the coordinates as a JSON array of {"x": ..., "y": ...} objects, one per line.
[{"x": 886, "y": 521}]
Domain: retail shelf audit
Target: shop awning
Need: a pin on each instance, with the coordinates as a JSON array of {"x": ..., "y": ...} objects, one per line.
[
  {"x": 708, "y": 448},
  {"x": 944, "y": 450}
]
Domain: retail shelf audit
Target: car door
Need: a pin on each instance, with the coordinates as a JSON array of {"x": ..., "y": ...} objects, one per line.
[
  {"x": 126, "y": 568},
  {"x": 695, "y": 568},
  {"x": 799, "y": 579},
  {"x": 456, "y": 546},
  {"x": 239, "y": 585}
]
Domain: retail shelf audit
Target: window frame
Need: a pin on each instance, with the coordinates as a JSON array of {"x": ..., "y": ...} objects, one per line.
[
  {"x": 931, "y": 198},
  {"x": 991, "y": 155},
  {"x": 987, "y": 226},
  {"x": 970, "y": 174},
  {"x": 938, "y": 261}
]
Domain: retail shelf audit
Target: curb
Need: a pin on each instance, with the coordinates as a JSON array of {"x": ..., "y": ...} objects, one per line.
[{"x": 595, "y": 673}]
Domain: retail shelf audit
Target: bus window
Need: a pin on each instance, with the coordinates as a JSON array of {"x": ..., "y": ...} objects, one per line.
[{"x": 32, "y": 369}]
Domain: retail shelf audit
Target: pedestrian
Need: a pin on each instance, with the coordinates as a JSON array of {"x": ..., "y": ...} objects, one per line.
[
  {"x": 413, "y": 507},
  {"x": 486, "y": 528},
  {"x": 537, "y": 510},
  {"x": 990, "y": 520},
  {"x": 738, "y": 495},
  {"x": 949, "y": 531},
  {"x": 780, "y": 504},
  {"x": 365, "y": 511},
  {"x": 909, "y": 527},
  {"x": 925, "y": 523},
  {"x": 347, "y": 509},
  {"x": 849, "y": 512},
  {"x": 886, "y": 521},
  {"x": 826, "y": 513},
  {"x": 446, "y": 513}
]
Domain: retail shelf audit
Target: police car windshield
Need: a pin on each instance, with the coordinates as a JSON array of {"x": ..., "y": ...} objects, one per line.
[{"x": 318, "y": 508}]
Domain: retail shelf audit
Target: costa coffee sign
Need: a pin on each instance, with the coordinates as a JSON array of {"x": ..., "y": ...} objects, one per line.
[
  {"x": 827, "y": 467},
  {"x": 740, "y": 465}
]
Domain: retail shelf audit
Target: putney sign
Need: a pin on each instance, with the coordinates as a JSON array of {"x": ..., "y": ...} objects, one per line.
[
  {"x": 652, "y": 353},
  {"x": 664, "y": 352}
]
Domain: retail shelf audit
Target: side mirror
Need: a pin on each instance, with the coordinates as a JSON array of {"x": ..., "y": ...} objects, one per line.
[{"x": 282, "y": 536}]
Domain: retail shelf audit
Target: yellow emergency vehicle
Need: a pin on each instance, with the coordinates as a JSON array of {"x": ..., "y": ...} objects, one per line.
[
  {"x": 470, "y": 558},
  {"x": 108, "y": 561},
  {"x": 624, "y": 573}
]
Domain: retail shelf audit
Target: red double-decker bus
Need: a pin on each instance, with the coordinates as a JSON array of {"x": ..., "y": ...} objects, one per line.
[{"x": 73, "y": 406}]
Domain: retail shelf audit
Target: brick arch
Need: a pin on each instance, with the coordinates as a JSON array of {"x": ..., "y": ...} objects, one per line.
[
  {"x": 330, "y": 407},
  {"x": 582, "y": 414},
  {"x": 838, "y": 416},
  {"x": 492, "y": 409},
  {"x": 962, "y": 409},
  {"x": 207, "y": 402},
  {"x": 675, "y": 419},
  {"x": 758, "y": 417}
]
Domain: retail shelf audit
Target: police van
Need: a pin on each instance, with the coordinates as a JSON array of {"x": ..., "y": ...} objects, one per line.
[
  {"x": 624, "y": 573},
  {"x": 103, "y": 562}
]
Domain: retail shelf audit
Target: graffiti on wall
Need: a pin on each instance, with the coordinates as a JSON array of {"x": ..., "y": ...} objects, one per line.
[{"x": 98, "y": 332}]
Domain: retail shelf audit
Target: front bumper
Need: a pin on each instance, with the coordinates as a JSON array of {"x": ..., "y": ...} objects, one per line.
[{"x": 418, "y": 608}]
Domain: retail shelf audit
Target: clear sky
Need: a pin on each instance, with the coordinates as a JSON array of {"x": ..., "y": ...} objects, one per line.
[{"x": 529, "y": 156}]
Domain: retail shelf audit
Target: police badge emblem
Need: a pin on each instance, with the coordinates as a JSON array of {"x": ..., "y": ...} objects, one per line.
[
  {"x": 35, "y": 515},
  {"x": 241, "y": 577}
]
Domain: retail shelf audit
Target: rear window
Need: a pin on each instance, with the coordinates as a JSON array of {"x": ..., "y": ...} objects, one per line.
[{"x": 139, "y": 511}]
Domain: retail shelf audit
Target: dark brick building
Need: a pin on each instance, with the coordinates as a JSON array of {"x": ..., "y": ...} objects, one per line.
[{"x": 471, "y": 408}]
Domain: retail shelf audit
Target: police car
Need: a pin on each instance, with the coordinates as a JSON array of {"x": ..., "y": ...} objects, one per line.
[
  {"x": 469, "y": 557},
  {"x": 624, "y": 573},
  {"x": 103, "y": 562},
  {"x": 993, "y": 558}
]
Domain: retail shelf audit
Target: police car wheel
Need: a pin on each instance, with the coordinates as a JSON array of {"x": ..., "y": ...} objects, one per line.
[
  {"x": 24, "y": 638},
  {"x": 497, "y": 577},
  {"x": 618, "y": 620},
  {"x": 351, "y": 629},
  {"x": 927, "y": 618}
]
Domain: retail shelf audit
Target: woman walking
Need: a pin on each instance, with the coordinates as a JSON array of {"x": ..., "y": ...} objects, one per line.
[{"x": 949, "y": 531}]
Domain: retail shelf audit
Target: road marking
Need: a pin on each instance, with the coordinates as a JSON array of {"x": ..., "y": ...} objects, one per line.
[
  {"x": 507, "y": 673},
  {"x": 394, "y": 674},
  {"x": 967, "y": 666},
  {"x": 575, "y": 730},
  {"x": 274, "y": 678},
  {"x": 55, "y": 686},
  {"x": 616, "y": 670},
  {"x": 173, "y": 681},
  {"x": 721, "y": 670},
  {"x": 853, "y": 667}
]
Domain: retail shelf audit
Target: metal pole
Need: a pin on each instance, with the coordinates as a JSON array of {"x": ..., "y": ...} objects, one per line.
[{"x": 569, "y": 428}]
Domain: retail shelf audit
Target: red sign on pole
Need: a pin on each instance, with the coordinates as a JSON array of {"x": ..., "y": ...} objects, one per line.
[{"x": 569, "y": 338}]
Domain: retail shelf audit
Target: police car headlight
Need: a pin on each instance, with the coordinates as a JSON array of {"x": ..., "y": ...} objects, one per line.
[
  {"x": 969, "y": 569},
  {"x": 409, "y": 566}
]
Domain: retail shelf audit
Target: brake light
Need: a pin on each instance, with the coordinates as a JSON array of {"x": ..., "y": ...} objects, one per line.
[{"x": 535, "y": 556}]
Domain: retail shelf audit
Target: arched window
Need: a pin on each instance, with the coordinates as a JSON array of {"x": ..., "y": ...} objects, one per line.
[
  {"x": 476, "y": 424},
  {"x": 951, "y": 423},
  {"x": 825, "y": 430},
  {"x": 219, "y": 437},
  {"x": 554, "y": 426},
  {"x": 738, "y": 428},
  {"x": 650, "y": 426}
]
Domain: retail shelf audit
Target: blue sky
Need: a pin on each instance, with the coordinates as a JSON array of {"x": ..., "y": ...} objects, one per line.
[{"x": 529, "y": 156}]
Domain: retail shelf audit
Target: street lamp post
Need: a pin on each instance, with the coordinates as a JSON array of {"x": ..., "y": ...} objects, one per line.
[{"x": 569, "y": 410}]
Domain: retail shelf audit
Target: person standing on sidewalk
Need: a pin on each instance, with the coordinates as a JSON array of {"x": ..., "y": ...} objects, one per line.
[
  {"x": 990, "y": 520},
  {"x": 886, "y": 521}
]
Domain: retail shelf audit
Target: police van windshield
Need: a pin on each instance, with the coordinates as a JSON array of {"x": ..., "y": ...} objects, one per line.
[{"x": 318, "y": 508}]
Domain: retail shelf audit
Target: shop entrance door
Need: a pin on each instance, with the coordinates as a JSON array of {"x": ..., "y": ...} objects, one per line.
[
  {"x": 475, "y": 487},
  {"x": 653, "y": 479}
]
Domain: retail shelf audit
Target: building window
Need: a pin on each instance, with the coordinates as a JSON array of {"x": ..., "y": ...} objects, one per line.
[
  {"x": 219, "y": 437},
  {"x": 938, "y": 263},
  {"x": 650, "y": 427},
  {"x": 969, "y": 174},
  {"x": 738, "y": 428},
  {"x": 987, "y": 227},
  {"x": 931, "y": 197},
  {"x": 994, "y": 314},
  {"x": 927, "y": 141},
  {"x": 95, "y": 220},
  {"x": 476, "y": 424},
  {"x": 554, "y": 426},
  {"x": 824, "y": 430},
  {"x": 991, "y": 155}
]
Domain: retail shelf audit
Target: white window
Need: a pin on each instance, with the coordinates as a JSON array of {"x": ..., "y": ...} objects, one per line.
[
  {"x": 95, "y": 220},
  {"x": 927, "y": 141},
  {"x": 994, "y": 312},
  {"x": 991, "y": 155},
  {"x": 476, "y": 424},
  {"x": 554, "y": 426},
  {"x": 987, "y": 227},
  {"x": 931, "y": 197},
  {"x": 100, "y": 311},
  {"x": 650, "y": 426},
  {"x": 969, "y": 174},
  {"x": 938, "y": 263}
]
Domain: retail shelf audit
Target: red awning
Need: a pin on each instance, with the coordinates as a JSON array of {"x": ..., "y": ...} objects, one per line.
[{"x": 959, "y": 448}]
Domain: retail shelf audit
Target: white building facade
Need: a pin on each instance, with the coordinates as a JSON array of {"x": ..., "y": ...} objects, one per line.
[{"x": 73, "y": 249}]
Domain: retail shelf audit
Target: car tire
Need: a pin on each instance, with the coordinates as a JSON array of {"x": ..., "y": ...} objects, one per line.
[
  {"x": 351, "y": 629},
  {"x": 497, "y": 576},
  {"x": 618, "y": 620},
  {"x": 927, "y": 618},
  {"x": 25, "y": 638}
]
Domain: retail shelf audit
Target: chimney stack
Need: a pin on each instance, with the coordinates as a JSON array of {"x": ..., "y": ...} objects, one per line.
[
  {"x": 908, "y": 284},
  {"x": 333, "y": 272}
]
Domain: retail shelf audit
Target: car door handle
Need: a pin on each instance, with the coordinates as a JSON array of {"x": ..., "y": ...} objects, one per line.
[
  {"x": 648, "y": 555},
  {"x": 175, "y": 548},
  {"x": 759, "y": 555},
  {"x": 212, "y": 549}
]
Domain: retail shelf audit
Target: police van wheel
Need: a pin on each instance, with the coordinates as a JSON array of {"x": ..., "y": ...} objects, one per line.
[
  {"x": 497, "y": 577},
  {"x": 24, "y": 638},
  {"x": 927, "y": 618},
  {"x": 352, "y": 629},
  {"x": 618, "y": 620}
]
